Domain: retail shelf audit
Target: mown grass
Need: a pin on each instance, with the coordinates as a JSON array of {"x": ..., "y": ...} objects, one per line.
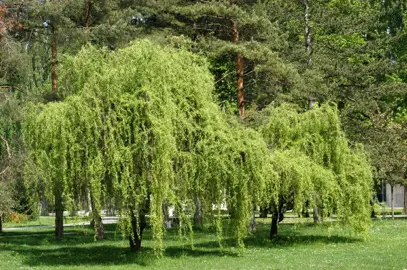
[
  {"x": 299, "y": 246},
  {"x": 43, "y": 221}
]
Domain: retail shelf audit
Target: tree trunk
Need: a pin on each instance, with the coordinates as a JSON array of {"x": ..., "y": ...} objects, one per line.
[
  {"x": 274, "y": 224},
  {"x": 54, "y": 60},
  {"x": 1, "y": 223},
  {"x": 307, "y": 36},
  {"x": 59, "y": 217},
  {"x": 88, "y": 5},
  {"x": 405, "y": 200},
  {"x": 392, "y": 201},
  {"x": 240, "y": 76},
  {"x": 96, "y": 219},
  {"x": 136, "y": 237},
  {"x": 253, "y": 222},
  {"x": 198, "y": 211},
  {"x": 315, "y": 215},
  {"x": 277, "y": 217},
  {"x": 97, "y": 224}
]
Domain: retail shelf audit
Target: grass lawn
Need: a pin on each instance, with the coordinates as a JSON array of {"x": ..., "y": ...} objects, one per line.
[
  {"x": 44, "y": 221},
  {"x": 299, "y": 246}
]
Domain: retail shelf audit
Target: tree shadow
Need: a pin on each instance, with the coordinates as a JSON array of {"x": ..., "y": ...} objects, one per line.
[
  {"x": 80, "y": 248},
  {"x": 90, "y": 255},
  {"x": 210, "y": 248},
  {"x": 289, "y": 237},
  {"x": 72, "y": 235}
]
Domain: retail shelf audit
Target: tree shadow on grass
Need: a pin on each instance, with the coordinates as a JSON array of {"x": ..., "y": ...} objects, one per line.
[
  {"x": 40, "y": 248},
  {"x": 72, "y": 236},
  {"x": 289, "y": 237},
  {"x": 90, "y": 255},
  {"x": 210, "y": 248},
  {"x": 79, "y": 248}
]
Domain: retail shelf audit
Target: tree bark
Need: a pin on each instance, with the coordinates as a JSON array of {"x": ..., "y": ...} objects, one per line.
[
  {"x": 1, "y": 223},
  {"x": 405, "y": 200},
  {"x": 240, "y": 75},
  {"x": 138, "y": 227},
  {"x": 54, "y": 60},
  {"x": 307, "y": 36},
  {"x": 392, "y": 201},
  {"x": 274, "y": 224},
  {"x": 198, "y": 211},
  {"x": 97, "y": 223},
  {"x": 277, "y": 217},
  {"x": 88, "y": 5},
  {"x": 253, "y": 222},
  {"x": 59, "y": 216},
  {"x": 315, "y": 215}
]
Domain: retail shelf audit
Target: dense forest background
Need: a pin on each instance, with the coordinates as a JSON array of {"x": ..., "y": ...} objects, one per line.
[{"x": 261, "y": 54}]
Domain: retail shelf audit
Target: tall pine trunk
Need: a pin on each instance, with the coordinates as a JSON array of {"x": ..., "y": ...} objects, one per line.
[
  {"x": 88, "y": 5},
  {"x": 54, "y": 60},
  {"x": 307, "y": 35},
  {"x": 240, "y": 75}
]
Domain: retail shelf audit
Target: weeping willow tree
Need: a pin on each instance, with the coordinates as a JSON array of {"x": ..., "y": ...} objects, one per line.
[
  {"x": 140, "y": 125},
  {"x": 317, "y": 166}
]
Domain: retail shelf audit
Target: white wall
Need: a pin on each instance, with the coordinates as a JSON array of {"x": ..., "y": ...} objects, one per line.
[{"x": 398, "y": 195}]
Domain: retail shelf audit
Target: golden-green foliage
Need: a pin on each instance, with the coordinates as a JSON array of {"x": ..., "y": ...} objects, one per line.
[
  {"x": 142, "y": 126},
  {"x": 316, "y": 163}
]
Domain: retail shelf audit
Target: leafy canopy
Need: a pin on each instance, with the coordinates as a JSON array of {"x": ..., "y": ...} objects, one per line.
[{"x": 141, "y": 125}]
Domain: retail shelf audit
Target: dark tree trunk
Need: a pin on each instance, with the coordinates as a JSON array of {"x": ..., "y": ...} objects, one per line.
[
  {"x": 307, "y": 36},
  {"x": 1, "y": 223},
  {"x": 88, "y": 5},
  {"x": 264, "y": 212},
  {"x": 240, "y": 76},
  {"x": 54, "y": 60},
  {"x": 305, "y": 211},
  {"x": 277, "y": 217},
  {"x": 59, "y": 217},
  {"x": 198, "y": 211},
  {"x": 274, "y": 224},
  {"x": 136, "y": 237}
]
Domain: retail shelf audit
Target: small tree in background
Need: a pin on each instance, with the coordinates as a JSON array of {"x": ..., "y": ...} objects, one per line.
[{"x": 317, "y": 166}]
